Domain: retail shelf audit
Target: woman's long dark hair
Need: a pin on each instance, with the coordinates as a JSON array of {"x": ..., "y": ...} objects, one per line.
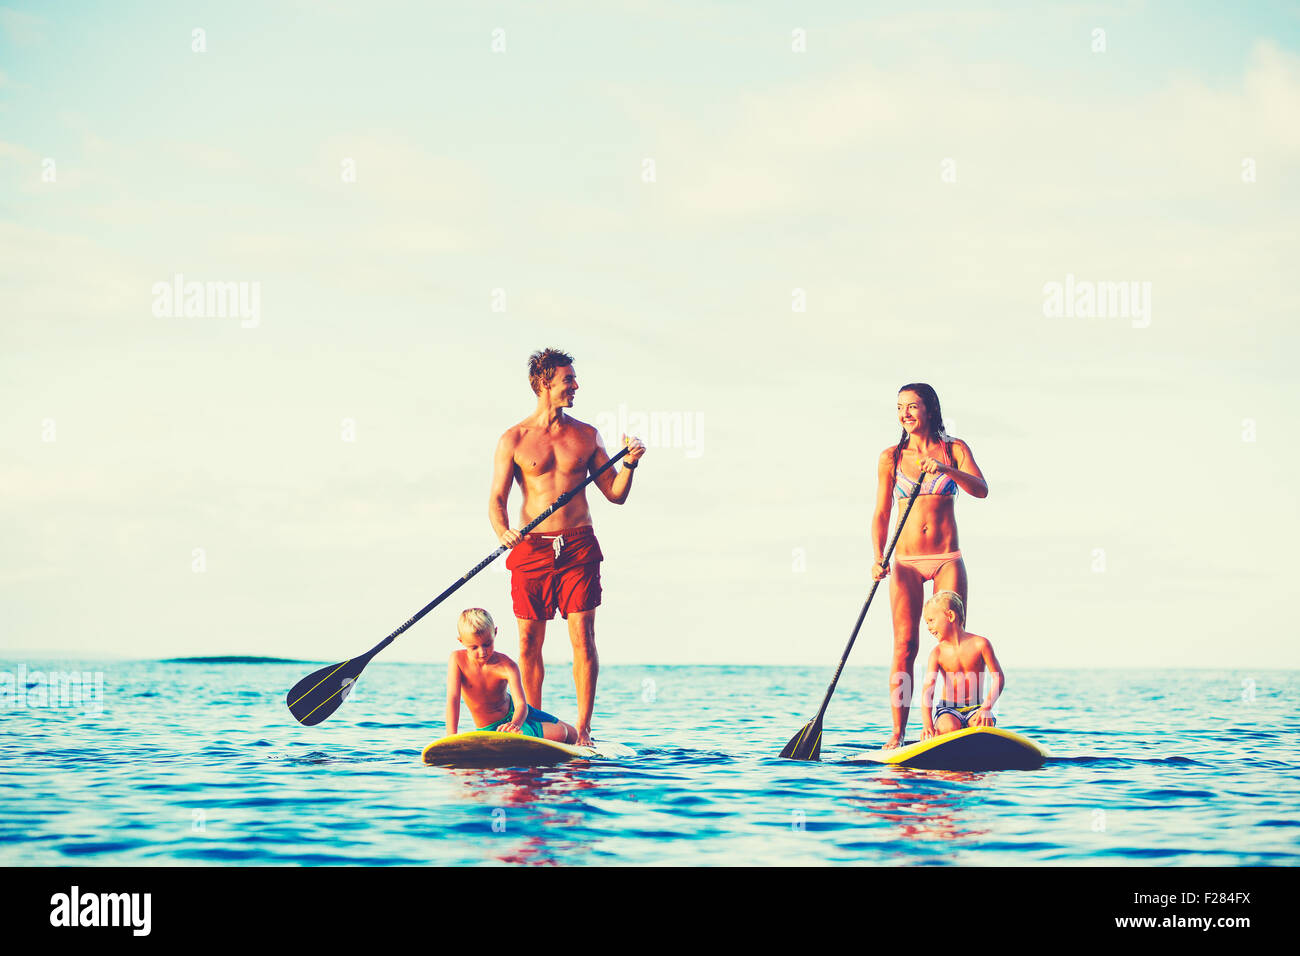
[{"x": 933, "y": 413}]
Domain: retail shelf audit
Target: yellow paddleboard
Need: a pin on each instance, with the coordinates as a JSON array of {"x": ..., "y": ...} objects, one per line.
[
  {"x": 973, "y": 748},
  {"x": 489, "y": 748}
]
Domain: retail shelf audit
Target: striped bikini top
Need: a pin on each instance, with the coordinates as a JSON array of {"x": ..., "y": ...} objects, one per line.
[{"x": 932, "y": 485}]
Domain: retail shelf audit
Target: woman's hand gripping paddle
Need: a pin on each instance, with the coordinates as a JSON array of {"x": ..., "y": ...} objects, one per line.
[
  {"x": 319, "y": 694},
  {"x": 807, "y": 743}
]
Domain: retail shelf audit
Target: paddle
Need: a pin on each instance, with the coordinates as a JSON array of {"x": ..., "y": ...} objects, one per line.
[
  {"x": 807, "y": 743},
  {"x": 319, "y": 694}
]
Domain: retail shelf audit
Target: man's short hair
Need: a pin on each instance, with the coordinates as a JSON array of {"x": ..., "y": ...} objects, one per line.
[{"x": 542, "y": 366}]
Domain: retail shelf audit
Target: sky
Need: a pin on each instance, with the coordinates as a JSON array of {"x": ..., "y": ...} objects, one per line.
[{"x": 756, "y": 219}]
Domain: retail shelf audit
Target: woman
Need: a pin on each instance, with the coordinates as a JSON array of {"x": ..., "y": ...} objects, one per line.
[{"x": 927, "y": 549}]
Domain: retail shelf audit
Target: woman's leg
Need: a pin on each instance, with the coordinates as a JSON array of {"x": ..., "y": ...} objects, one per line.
[
  {"x": 905, "y": 601},
  {"x": 952, "y": 577}
]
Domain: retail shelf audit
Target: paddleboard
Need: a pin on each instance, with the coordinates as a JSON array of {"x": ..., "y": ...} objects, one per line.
[
  {"x": 489, "y": 748},
  {"x": 972, "y": 748}
]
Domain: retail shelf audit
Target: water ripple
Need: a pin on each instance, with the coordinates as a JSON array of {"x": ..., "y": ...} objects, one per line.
[{"x": 180, "y": 769}]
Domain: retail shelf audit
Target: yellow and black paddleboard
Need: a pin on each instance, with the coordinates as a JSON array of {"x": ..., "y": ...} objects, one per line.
[
  {"x": 489, "y": 748},
  {"x": 974, "y": 748}
]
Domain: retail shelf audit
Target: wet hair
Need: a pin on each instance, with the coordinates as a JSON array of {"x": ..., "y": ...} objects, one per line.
[
  {"x": 933, "y": 413},
  {"x": 476, "y": 621},
  {"x": 948, "y": 600},
  {"x": 542, "y": 366}
]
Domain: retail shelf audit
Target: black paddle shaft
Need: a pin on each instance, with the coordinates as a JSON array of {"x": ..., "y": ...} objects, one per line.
[
  {"x": 319, "y": 694},
  {"x": 559, "y": 503},
  {"x": 889, "y": 552}
]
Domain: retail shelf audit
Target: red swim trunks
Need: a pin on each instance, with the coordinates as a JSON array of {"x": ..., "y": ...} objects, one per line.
[{"x": 559, "y": 569}]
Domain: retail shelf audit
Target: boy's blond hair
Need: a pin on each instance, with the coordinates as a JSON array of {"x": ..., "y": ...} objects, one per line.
[
  {"x": 949, "y": 600},
  {"x": 476, "y": 621}
]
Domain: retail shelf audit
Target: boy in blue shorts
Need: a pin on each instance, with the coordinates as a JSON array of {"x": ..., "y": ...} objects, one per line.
[
  {"x": 959, "y": 662},
  {"x": 489, "y": 682}
]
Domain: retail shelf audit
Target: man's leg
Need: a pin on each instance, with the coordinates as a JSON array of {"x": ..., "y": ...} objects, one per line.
[
  {"x": 586, "y": 665},
  {"x": 531, "y": 670}
]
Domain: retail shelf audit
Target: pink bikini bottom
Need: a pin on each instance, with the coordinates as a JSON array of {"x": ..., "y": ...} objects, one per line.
[{"x": 927, "y": 565}]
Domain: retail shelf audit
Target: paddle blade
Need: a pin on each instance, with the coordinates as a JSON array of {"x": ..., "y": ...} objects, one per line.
[
  {"x": 806, "y": 744},
  {"x": 319, "y": 694}
]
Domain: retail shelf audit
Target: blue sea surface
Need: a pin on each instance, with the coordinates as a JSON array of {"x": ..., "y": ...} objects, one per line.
[{"x": 201, "y": 764}]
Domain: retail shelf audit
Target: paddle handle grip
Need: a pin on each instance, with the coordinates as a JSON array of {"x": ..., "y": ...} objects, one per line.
[
  {"x": 889, "y": 553},
  {"x": 559, "y": 502}
]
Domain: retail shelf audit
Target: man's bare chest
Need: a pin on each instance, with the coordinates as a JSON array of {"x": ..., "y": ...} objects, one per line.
[{"x": 543, "y": 455}]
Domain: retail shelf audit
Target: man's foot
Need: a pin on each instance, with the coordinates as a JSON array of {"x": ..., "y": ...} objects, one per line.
[
  {"x": 584, "y": 738},
  {"x": 894, "y": 742}
]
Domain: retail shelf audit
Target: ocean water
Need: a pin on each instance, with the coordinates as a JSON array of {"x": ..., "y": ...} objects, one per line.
[{"x": 201, "y": 764}]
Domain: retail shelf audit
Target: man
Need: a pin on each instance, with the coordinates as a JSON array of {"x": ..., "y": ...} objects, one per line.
[{"x": 557, "y": 567}]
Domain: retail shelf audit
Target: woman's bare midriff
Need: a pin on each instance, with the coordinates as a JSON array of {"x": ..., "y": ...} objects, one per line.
[{"x": 931, "y": 527}]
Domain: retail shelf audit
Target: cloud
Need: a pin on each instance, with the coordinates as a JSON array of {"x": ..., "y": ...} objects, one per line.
[
  {"x": 407, "y": 208},
  {"x": 674, "y": 295},
  {"x": 55, "y": 280},
  {"x": 865, "y": 140},
  {"x": 24, "y": 29}
]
